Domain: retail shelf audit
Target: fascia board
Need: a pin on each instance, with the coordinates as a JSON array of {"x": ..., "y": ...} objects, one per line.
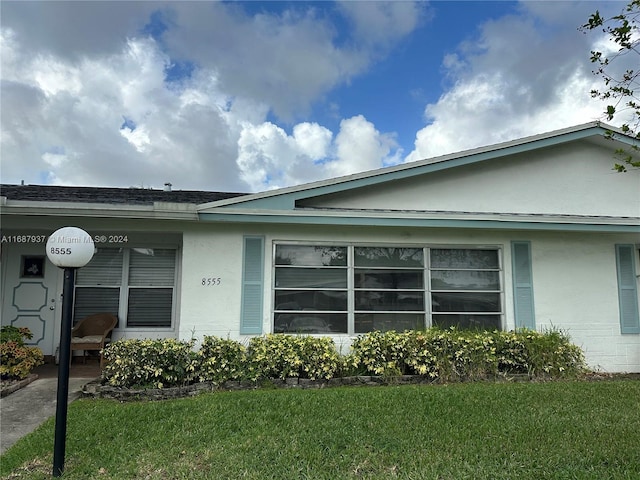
[
  {"x": 286, "y": 198},
  {"x": 160, "y": 210},
  {"x": 486, "y": 221}
]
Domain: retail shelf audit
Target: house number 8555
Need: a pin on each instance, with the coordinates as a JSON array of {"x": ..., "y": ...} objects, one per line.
[{"x": 211, "y": 281}]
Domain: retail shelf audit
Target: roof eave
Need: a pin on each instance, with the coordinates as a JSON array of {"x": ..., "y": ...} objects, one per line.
[
  {"x": 157, "y": 211},
  {"x": 499, "y": 221}
]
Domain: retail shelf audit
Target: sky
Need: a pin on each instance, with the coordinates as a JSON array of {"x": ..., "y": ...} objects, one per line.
[{"x": 253, "y": 96}]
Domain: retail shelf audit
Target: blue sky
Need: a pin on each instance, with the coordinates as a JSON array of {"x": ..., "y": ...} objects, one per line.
[{"x": 251, "y": 96}]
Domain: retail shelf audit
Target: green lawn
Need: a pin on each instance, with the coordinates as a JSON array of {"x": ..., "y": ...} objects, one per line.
[{"x": 572, "y": 430}]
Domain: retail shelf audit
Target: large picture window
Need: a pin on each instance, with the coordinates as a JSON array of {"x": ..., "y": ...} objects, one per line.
[
  {"x": 136, "y": 284},
  {"x": 358, "y": 289}
]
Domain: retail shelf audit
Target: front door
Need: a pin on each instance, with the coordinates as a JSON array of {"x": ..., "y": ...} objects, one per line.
[{"x": 30, "y": 295}]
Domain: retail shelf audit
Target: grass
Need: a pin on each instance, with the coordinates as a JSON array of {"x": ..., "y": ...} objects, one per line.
[{"x": 559, "y": 430}]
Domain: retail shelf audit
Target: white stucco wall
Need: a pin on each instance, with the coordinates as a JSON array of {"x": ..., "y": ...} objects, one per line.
[
  {"x": 575, "y": 285},
  {"x": 575, "y": 288},
  {"x": 211, "y": 252}
]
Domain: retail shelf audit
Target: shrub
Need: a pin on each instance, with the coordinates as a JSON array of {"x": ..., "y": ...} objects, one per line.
[
  {"x": 453, "y": 354},
  {"x": 446, "y": 355},
  {"x": 220, "y": 360},
  {"x": 16, "y": 359},
  {"x": 282, "y": 356},
  {"x": 149, "y": 363},
  {"x": 380, "y": 353},
  {"x": 539, "y": 354}
]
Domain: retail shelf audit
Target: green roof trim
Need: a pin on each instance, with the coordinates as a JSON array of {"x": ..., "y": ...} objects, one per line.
[{"x": 275, "y": 218}]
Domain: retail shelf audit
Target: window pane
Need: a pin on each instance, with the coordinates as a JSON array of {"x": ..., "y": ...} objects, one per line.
[
  {"x": 483, "y": 322},
  {"x": 464, "y": 280},
  {"x": 311, "y": 277},
  {"x": 152, "y": 266},
  {"x": 90, "y": 300},
  {"x": 397, "y": 300},
  {"x": 311, "y": 300},
  {"x": 149, "y": 307},
  {"x": 462, "y": 258},
  {"x": 388, "y": 257},
  {"x": 305, "y": 255},
  {"x": 105, "y": 268},
  {"x": 391, "y": 279},
  {"x": 465, "y": 302},
  {"x": 310, "y": 323},
  {"x": 367, "y": 322}
]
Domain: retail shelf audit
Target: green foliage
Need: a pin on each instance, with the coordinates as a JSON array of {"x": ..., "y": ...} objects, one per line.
[
  {"x": 446, "y": 355},
  {"x": 9, "y": 333},
  {"x": 16, "y": 359},
  {"x": 282, "y": 356},
  {"x": 453, "y": 354},
  {"x": 380, "y": 353},
  {"x": 149, "y": 363},
  {"x": 220, "y": 360},
  {"x": 621, "y": 84},
  {"x": 540, "y": 354}
]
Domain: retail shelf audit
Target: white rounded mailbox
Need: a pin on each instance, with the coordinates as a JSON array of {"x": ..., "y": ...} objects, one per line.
[{"x": 70, "y": 247}]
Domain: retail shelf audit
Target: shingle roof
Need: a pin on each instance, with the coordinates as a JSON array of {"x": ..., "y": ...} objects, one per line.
[{"x": 123, "y": 196}]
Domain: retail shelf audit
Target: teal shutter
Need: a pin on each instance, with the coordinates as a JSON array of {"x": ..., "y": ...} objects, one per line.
[
  {"x": 523, "y": 285},
  {"x": 252, "y": 286},
  {"x": 627, "y": 289}
]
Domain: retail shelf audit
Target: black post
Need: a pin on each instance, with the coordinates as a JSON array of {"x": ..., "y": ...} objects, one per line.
[{"x": 63, "y": 373}]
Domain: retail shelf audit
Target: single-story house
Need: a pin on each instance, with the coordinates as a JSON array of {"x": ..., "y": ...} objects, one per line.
[{"x": 539, "y": 232}]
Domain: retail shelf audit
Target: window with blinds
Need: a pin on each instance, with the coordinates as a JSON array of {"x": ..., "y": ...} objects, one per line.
[
  {"x": 388, "y": 288},
  {"x": 136, "y": 284},
  {"x": 357, "y": 289},
  {"x": 465, "y": 288},
  {"x": 98, "y": 284},
  {"x": 151, "y": 281},
  {"x": 310, "y": 289}
]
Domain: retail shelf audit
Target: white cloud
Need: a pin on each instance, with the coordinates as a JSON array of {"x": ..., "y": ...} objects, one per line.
[
  {"x": 91, "y": 84},
  {"x": 56, "y": 160},
  {"x": 312, "y": 139},
  {"x": 360, "y": 147},
  {"x": 520, "y": 76},
  {"x": 85, "y": 99},
  {"x": 270, "y": 158},
  {"x": 383, "y": 22},
  {"x": 286, "y": 60},
  {"x": 477, "y": 113}
]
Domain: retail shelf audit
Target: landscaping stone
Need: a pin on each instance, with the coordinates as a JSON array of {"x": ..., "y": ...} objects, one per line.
[
  {"x": 9, "y": 386},
  {"x": 96, "y": 390}
]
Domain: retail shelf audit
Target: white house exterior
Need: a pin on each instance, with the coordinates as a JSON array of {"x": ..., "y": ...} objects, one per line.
[{"x": 538, "y": 233}]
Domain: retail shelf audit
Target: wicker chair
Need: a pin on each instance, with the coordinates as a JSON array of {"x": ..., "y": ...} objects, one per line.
[{"x": 91, "y": 333}]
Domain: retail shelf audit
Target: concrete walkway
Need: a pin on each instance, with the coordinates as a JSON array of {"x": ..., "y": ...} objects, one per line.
[{"x": 24, "y": 410}]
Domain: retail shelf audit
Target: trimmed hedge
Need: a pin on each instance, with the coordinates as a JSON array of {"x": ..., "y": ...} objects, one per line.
[
  {"x": 455, "y": 355},
  {"x": 149, "y": 363},
  {"x": 220, "y": 360},
  {"x": 282, "y": 356},
  {"x": 441, "y": 355}
]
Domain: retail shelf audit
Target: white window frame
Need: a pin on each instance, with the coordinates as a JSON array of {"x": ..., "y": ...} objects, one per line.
[
  {"x": 428, "y": 311},
  {"x": 123, "y": 301}
]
